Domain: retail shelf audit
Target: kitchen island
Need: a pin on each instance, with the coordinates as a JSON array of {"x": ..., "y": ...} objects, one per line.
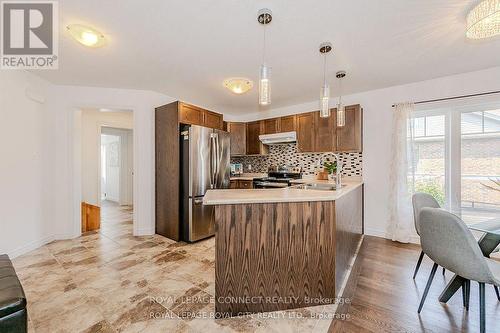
[{"x": 279, "y": 249}]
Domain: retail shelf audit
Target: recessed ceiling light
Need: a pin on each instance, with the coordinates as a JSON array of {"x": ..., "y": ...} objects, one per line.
[
  {"x": 86, "y": 35},
  {"x": 238, "y": 85},
  {"x": 484, "y": 20}
]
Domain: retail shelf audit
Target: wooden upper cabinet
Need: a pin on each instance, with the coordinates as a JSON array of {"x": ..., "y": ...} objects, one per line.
[
  {"x": 190, "y": 114},
  {"x": 350, "y": 136},
  {"x": 193, "y": 115},
  {"x": 288, "y": 123},
  {"x": 324, "y": 133},
  {"x": 305, "y": 133},
  {"x": 254, "y": 146},
  {"x": 271, "y": 126},
  {"x": 238, "y": 135},
  {"x": 212, "y": 120}
]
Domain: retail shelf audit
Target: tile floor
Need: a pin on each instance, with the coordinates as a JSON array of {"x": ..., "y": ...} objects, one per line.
[{"x": 111, "y": 281}]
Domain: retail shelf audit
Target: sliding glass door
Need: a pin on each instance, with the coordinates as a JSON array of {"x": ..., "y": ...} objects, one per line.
[{"x": 455, "y": 156}]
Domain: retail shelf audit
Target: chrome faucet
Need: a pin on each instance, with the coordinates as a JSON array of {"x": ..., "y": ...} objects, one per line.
[{"x": 338, "y": 171}]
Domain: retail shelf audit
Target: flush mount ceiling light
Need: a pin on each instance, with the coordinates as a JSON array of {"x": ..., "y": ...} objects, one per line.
[
  {"x": 264, "y": 17},
  {"x": 86, "y": 35},
  {"x": 238, "y": 85},
  {"x": 340, "y": 107},
  {"x": 484, "y": 20},
  {"x": 324, "y": 98}
]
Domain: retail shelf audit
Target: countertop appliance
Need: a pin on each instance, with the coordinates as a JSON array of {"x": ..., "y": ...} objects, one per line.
[
  {"x": 278, "y": 179},
  {"x": 204, "y": 157},
  {"x": 236, "y": 169}
]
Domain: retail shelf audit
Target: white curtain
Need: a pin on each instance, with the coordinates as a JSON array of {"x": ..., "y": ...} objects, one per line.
[{"x": 401, "y": 178}]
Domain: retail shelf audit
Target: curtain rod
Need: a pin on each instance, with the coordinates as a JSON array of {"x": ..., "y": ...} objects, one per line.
[{"x": 454, "y": 97}]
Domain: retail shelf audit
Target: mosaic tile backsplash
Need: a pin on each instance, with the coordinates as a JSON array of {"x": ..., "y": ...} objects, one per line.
[{"x": 287, "y": 155}]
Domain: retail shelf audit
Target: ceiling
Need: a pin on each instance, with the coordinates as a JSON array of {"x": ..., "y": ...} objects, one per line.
[{"x": 185, "y": 49}]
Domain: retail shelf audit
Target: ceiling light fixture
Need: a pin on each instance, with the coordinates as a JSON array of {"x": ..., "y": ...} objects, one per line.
[
  {"x": 264, "y": 17},
  {"x": 324, "y": 96},
  {"x": 340, "y": 107},
  {"x": 238, "y": 85},
  {"x": 86, "y": 35},
  {"x": 484, "y": 20}
]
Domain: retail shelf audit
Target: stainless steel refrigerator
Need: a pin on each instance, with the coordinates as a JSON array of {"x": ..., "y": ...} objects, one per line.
[{"x": 204, "y": 166}]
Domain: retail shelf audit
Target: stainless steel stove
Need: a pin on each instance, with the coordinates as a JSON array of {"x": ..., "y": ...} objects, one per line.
[{"x": 277, "y": 179}]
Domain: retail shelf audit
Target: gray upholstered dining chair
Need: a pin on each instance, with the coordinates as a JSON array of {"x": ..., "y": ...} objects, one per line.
[
  {"x": 420, "y": 200},
  {"x": 449, "y": 243}
]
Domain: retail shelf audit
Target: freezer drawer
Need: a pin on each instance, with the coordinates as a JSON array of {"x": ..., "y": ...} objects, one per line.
[{"x": 201, "y": 220}]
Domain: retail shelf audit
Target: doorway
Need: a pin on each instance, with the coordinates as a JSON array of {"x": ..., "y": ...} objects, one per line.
[
  {"x": 107, "y": 160},
  {"x": 116, "y": 176}
]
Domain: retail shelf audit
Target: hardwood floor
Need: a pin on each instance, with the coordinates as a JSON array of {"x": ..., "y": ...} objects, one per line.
[{"x": 385, "y": 297}]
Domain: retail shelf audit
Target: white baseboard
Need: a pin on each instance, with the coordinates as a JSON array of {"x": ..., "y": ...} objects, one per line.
[
  {"x": 30, "y": 246},
  {"x": 144, "y": 232},
  {"x": 384, "y": 234}
]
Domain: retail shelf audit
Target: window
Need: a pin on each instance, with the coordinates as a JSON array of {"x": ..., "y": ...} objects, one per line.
[{"x": 455, "y": 155}]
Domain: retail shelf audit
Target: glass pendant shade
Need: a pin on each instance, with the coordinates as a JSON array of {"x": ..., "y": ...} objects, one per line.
[
  {"x": 324, "y": 102},
  {"x": 340, "y": 115},
  {"x": 484, "y": 20},
  {"x": 265, "y": 85}
]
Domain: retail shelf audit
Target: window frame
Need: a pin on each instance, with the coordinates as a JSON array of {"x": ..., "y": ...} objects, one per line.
[{"x": 453, "y": 143}]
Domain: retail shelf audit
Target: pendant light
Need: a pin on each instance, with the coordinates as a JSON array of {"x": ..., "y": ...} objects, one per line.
[
  {"x": 324, "y": 97},
  {"x": 340, "y": 107},
  {"x": 264, "y": 17}
]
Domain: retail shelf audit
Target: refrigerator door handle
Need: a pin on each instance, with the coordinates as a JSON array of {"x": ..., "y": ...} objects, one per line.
[
  {"x": 217, "y": 171},
  {"x": 212, "y": 161}
]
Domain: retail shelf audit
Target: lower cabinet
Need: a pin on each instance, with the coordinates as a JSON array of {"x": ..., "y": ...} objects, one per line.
[{"x": 241, "y": 184}]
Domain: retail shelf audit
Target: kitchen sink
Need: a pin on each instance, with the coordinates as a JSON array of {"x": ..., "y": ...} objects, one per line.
[{"x": 317, "y": 186}]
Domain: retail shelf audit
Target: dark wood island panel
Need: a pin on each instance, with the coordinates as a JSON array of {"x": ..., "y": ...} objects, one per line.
[
  {"x": 284, "y": 250},
  {"x": 278, "y": 256}
]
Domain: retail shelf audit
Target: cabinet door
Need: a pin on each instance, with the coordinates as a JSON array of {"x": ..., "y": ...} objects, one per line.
[
  {"x": 324, "y": 133},
  {"x": 271, "y": 126},
  {"x": 233, "y": 184},
  {"x": 253, "y": 142},
  {"x": 189, "y": 114},
  {"x": 288, "y": 124},
  {"x": 305, "y": 134},
  {"x": 238, "y": 135},
  {"x": 245, "y": 184},
  {"x": 212, "y": 120},
  {"x": 350, "y": 136}
]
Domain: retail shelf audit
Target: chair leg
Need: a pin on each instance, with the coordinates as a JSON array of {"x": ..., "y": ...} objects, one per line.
[
  {"x": 464, "y": 293},
  {"x": 418, "y": 264},
  {"x": 482, "y": 306},
  {"x": 467, "y": 294},
  {"x": 427, "y": 287},
  {"x": 498, "y": 293},
  {"x": 444, "y": 270}
]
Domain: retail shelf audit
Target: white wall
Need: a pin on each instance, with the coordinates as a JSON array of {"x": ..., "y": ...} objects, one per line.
[
  {"x": 65, "y": 106},
  {"x": 377, "y": 130},
  {"x": 26, "y": 184},
  {"x": 91, "y": 123},
  {"x": 41, "y": 165}
]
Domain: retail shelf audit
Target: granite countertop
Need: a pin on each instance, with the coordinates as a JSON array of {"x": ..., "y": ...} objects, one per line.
[
  {"x": 248, "y": 176},
  {"x": 289, "y": 194}
]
